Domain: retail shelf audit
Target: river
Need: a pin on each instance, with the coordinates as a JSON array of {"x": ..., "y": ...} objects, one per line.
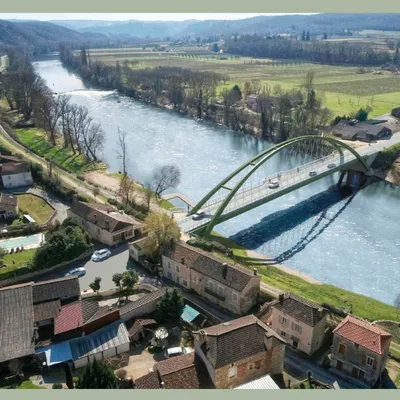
[{"x": 351, "y": 243}]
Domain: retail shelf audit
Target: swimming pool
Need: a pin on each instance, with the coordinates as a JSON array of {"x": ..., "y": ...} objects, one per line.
[{"x": 29, "y": 242}]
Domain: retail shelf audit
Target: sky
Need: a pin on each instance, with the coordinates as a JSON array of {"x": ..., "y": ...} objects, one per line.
[{"x": 127, "y": 16}]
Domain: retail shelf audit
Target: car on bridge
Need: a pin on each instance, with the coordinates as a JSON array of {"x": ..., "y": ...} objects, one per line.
[
  {"x": 313, "y": 173},
  {"x": 274, "y": 185},
  {"x": 332, "y": 165},
  {"x": 197, "y": 216}
]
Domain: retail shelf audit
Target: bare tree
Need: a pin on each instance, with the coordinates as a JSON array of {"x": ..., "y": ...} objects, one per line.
[
  {"x": 165, "y": 177},
  {"x": 93, "y": 139},
  {"x": 148, "y": 195},
  {"x": 65, "y": 120},
  {"x": 122, "y": 150},
  {"x": 126, "y": 188}
]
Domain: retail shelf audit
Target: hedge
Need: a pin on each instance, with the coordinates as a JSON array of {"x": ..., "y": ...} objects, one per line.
[
  {"x": 135, "y": 210},
  {"x": 210, "y": 246}
]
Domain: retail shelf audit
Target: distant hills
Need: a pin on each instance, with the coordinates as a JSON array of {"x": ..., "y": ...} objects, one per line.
[
  {"x": 41, "y": 37},
  {"x": 316, "y": 23}
]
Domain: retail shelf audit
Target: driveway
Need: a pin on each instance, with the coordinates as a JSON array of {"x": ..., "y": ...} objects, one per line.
[{"x": 298, "y": 367}]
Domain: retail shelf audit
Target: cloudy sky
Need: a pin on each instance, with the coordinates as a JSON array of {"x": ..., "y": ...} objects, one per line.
[{"x": 127, "y": 16}]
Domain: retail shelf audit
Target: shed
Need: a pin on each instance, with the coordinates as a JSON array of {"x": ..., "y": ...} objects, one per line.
[
  {"x": 106, "y": 342},
  {"x": 189, "y": 314},
  {"x": 265, "y": 382},
  {"x": 56, "y": 353}
]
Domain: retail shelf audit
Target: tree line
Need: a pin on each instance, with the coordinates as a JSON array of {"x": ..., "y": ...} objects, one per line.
[
  {"x": 26, "y": 92},
  {"x": 310, "y": 50}
]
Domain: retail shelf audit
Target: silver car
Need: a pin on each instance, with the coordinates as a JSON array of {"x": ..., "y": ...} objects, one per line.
[
  {"x": 77, "y": 271},
  {"x": 101, "y": 254}
]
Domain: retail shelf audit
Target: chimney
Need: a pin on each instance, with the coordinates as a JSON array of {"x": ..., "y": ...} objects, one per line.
[
  {"x": 224, "y": 270},
  {"x": 320, "y": 312},
  {"x": 182, "y": 260},
  {"x": 281, "y": 297},
  {"x": 255, "y": 271}
]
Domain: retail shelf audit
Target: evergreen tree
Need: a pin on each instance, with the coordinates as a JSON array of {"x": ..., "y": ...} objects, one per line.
[
  {"x": 303, "y": 36},
  {"x": 171, "y": 305},
  {"x": 215, "y": 48},
  {"x": 95, "y": 285},
  {"x": 68, "y": 376},
  {"x": 308, "y": 36},
  {"x": 97, "y": 376},
  {"x": 236, "y": 93}
]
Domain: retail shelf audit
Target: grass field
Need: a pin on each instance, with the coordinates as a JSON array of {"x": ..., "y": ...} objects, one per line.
[
  {"x": 20, "y": 259},
  {"x": 344, "y": 89},
  {"x": 34, "y": 138},
  {"x": 36, "y": 207},
  {"x": 362, "y": 306}
]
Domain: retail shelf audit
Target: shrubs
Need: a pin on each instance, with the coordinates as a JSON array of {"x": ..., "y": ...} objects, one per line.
[
  {"x": 135, "y": 210},
  {"x": 63, "y": 243},
  {"x": 57, "y": 386},
  {"x": 83, "y": 198},
  {"x": 210, "y": 246}
]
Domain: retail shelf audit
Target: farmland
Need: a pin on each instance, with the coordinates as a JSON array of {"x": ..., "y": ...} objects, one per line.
[{"x": 343, "y": 88}]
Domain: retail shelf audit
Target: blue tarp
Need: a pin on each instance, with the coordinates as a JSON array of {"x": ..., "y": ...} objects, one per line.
[
  {"x": 189, "y": 314},
  {"x": 56, "y": 353}
]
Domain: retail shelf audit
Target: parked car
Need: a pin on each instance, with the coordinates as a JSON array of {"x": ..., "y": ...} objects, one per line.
[
  {"x": 199, "y": 215},
  {"x": 313, "y": 173},
  {"x": 77, "y": 271},
  {"x": 332, "y": 165},
  {"x": 101, "y": 254},
  {"x": 177, "y": 351},
  {"x": 273, "y": 185}
]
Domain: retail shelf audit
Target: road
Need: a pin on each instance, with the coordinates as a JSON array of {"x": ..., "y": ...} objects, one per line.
[
  {"x": 288, "y": 180},
  {"x": 298, "y": 367}
]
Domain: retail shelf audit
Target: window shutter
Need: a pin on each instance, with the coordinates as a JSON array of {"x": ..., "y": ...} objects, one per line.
[
  {"x": 375, "y": 364},
  {"x": 364, "y": 359}
]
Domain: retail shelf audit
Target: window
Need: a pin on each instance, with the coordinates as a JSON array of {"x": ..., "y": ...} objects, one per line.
[
  {"x": 356, "y": 345},
  {"x": 232, "y": 372},
  {"x": 257, "y": 364},
  {"x": 251, "y": 366},
  {"x": 221, "y": 290},
  {"x": 370, "y": 361},
  {"x": 342, "y": 348},
  {"x": 194, "y": 278},
  {"x": 283, "y": 320},
  {"x": 235, "y": 297},
  {"x": 210, "y": 285},
  {"x": 361, "y": 374},
  {"x": 169, "y": 265},
  {"x": 283, "y": 333},
  {"x": 184, "y": 283},
  {"x": 169, "y": 275},
  {"x": 177, "y": 268},
  {"x": 296, "y": 327}
]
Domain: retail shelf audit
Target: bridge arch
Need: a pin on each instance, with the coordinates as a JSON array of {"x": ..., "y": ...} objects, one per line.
[{"x": 256, "y": 162}]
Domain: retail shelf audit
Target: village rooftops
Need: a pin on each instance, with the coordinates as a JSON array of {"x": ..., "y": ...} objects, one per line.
[
  {"x": 60, "y": 288},
  {"x": 235, "y": 340},
  {"x": 16, "y": 322},
  {"x": 299, "y": 308},
  {"x": 104, "y": 216},
  {"x": 364, "y": 334},
  {"x": 8, "y": 200},
  {"x": 232, "y": 276},
  {"x": 13, "y": 168}
]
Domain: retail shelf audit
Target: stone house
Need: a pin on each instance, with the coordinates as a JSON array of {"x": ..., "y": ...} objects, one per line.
[
  {"x": 300, "y": 322},
  {"x": 15, "y": 174},
  {"x": 8, "y": 206},
  {"x": 233, "y": 288},
  {"x": 239, "y": 351},
  {"x": 226, "y": 356},
  {"x": 360, "y": 350},
  {"x": 104, "y": 223}
]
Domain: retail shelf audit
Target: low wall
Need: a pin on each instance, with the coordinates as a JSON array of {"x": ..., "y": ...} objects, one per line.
[{"x": 32, "y": 275}]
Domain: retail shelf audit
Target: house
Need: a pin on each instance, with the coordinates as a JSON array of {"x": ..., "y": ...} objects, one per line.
[
  {"x": 104, "y": 223},
  {"x": 352, "y": 130},
  {"x": 17, "y": 329},
  {"x": 180, "y": 372},
  {"x": 8, "y": 206},
  {"x": 231, "y": 287},
  {"x": 360, "y": 350},
  {"x": 15, "y": 174},
  {"x": 396, "y": 112},
  {"x": 300, "y": 322},
  {"x": 137, "y": 250},
  {"x": 226, "y": 356},
  {"x": 239, "y": 351}
]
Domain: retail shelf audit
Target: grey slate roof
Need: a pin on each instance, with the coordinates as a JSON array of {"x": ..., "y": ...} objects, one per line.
[
  {"x": 47, "y": 310},
  {"x": 299, "y": 308},
  {"x": 235, "y": 340},
  {"x": 56, "y": 289},
  {"x": 110, "y": 336},
  {"x": 12, "y": 168},
  {"x": 148, "y": 298},
  {"x": 236, "y": 277},
  {"x": 16, "y": 322}
]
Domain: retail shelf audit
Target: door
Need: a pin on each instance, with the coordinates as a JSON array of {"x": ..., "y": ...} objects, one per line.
[
  {"x": 295, "y": 344},
  {"x": 355, "y": 372},
  {"x": 339, "y": 365}
]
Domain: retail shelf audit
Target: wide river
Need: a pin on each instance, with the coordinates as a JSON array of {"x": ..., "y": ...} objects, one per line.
[{"x": 351, "y": 244}]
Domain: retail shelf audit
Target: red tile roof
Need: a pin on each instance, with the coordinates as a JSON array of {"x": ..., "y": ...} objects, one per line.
[
  {"x": 70, "y": 318},
  {"x": 364, "y": 334}
]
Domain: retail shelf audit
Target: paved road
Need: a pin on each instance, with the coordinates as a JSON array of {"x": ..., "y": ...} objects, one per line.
[{"x": 298, "y": 367}]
